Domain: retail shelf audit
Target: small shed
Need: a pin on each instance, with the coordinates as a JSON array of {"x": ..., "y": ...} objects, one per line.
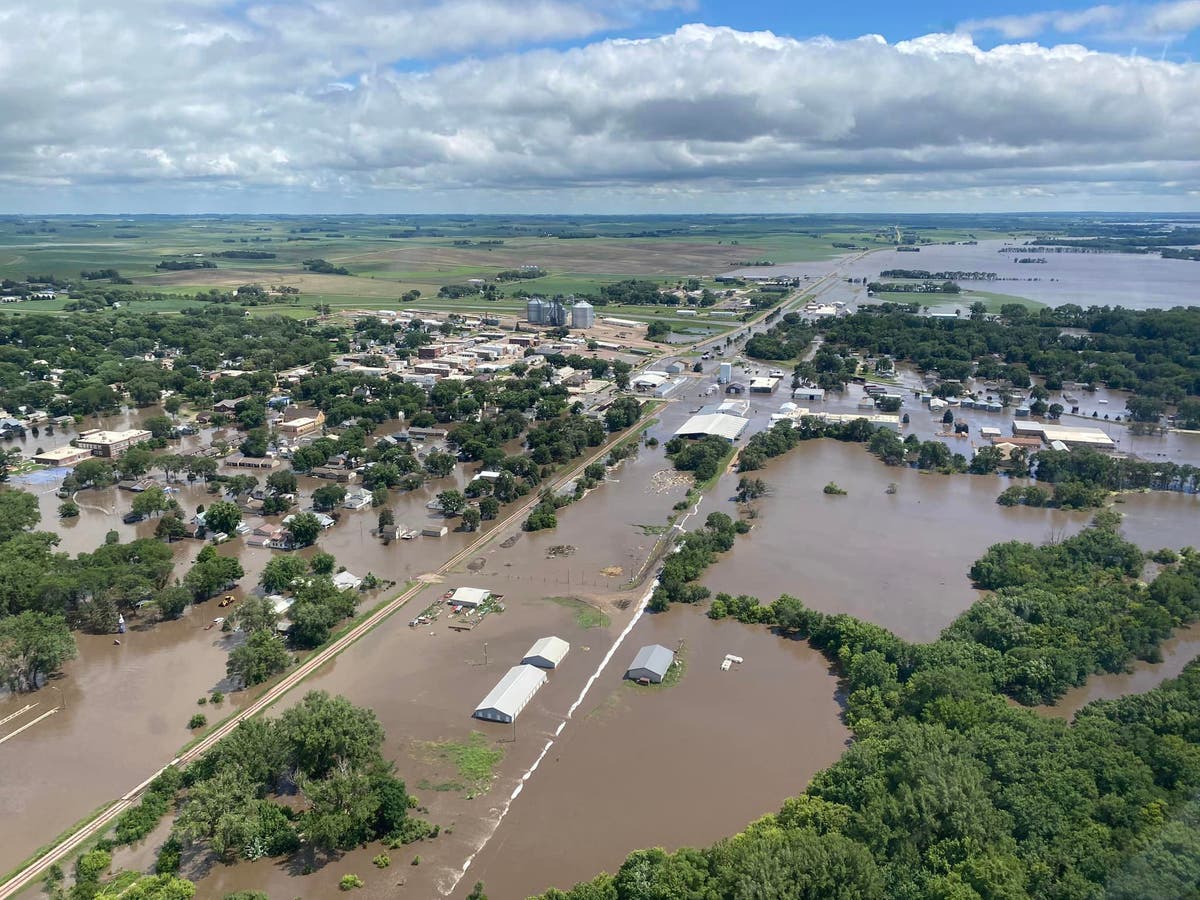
[
  {"x": 469, "y": 596},
  {"x": 506, "y": 700},
  {"x": 546, "y": 653},
  {"x": 651, "y": 664}
]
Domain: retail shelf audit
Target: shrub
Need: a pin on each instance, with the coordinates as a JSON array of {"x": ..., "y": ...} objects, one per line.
[
  {"x": 382, "y": 861},
  {"x": 199, "y": 720},
  {"x": 350, "y": 882}
]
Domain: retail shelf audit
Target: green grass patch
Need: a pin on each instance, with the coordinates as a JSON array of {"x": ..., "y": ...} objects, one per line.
[
  {"x": 475, "y": 759},
  {"x": 673, "y": 677},
  {"x": 586, "y": 615},
  {"x": 653, "y": 529}
]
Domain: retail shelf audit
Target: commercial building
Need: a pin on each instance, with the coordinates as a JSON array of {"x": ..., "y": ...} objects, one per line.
[
  {"x": 887, "y": 421},
  {"x": 651, "y": 664},
  {"x": 763, "y": 385},
  {"x": 1071, "y": 436},
  {"x": 810, "y": 394},
  {"x": 300, "y": 425},
  {"x": 110, "y": 444},
  {"x": 723, "y": 425},
  {"x": 725, "y": 373},
  {"x": 513, "y": 692},
  {"x": 63, "y": 456},
  {"x": 546, "y": 653}
]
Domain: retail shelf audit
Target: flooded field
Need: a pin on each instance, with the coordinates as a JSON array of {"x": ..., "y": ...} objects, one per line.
[
  {"x": 423, "y": 682},
  {"x": 899, "y": 559},
  {"x": 678, "y": 766},
  {"x": 1135, "y": 281}
]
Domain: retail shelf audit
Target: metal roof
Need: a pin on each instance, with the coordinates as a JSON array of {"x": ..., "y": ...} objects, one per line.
[
  {"x": 506, "y": 700},
  {"x": 725, "y": 425},
  {"x": 551, "y": 650},
  {"x": 654, "y": 657}
]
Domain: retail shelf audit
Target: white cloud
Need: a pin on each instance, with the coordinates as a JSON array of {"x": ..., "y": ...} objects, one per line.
[
  {"x": 1155, "y": 21},
  {"x": 318, "y": 105}
]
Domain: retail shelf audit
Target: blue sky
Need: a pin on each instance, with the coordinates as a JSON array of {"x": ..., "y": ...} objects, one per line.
[{"x": 597, "y": 106}]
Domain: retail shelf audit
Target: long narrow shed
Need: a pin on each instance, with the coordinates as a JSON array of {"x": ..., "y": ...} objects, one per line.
[
  {"x": 546, "y": 653},
  {"x": 511, "y": 694}
]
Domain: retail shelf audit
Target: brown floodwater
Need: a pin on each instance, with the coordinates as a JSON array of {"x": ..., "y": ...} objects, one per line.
[
  {"x": 680, "y": 766},
  {"x": 423, "y": 682},
  {"x": 900, "y": 559},
  {"x": 124, "y": 708},
  {"x": 1177, "y": 652}
]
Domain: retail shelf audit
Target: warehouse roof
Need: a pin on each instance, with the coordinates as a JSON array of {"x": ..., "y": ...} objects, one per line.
[
  {"x": 506, "y": 700},
  {"x": 724, "y": 425},
  {"x": 469, "y": 596},
  {"x": 655, "y": 658},
  {"x": 546, "y": 652}
]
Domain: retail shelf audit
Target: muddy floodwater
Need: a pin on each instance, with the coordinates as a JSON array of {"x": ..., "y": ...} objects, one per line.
[
  {"x": 668, "y": 767},
  {"x": 898, "y": 559}
]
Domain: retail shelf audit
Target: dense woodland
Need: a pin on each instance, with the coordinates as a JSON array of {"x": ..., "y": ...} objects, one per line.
[{"x": 949, "y": 791}]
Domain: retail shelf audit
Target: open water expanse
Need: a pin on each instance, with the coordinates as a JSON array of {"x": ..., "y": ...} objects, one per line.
[{"x": 1132, "y": 280}]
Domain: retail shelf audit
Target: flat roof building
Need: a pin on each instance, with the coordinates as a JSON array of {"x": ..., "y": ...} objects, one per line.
[
  {"x": 546, "y": 653},
  {"x": 513, "y": 692},
  {"x": 110, "y": 444},
  {"x": 63, "y": 456},
  {"x": 651, "y": 664}
]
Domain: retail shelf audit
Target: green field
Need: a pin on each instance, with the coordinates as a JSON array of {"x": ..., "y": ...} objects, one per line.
[{"x": 391, "y": 255}]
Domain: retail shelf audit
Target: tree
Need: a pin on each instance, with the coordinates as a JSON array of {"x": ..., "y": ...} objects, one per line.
[
  {"x": 159, "y": 426},
  {"x": 33, "y": 646},
  {"x": 322, "y": 734},
  {"x": 222, "y": 516},
  {"x": 172, "y": 601},
  {"x": 477, "y": 892},
  {"x": 150, "y": 501},
  {"x": 328, "y": 496},
  {"x": 260, "y": 657},
  {"x": 170, "y": 528},
  {"x": 451, "y": 502},
  {"x": 283, "y": 482},
  {"x": 439, "y": 464},
  {"x": 18, "y": 512},
  {"x": 281, "y": 571},
  {"x": 387, "y": 518},
  {"x": 319, "y": 606},
  {"x": 322, "y": 563},
  {"x": 255, "y": 443},
  {"x": 68, "y": 509},
  {"x": 211, "y": 574},
  {"x": 489, "y": 508},
  {"x": 256, "y": 614},
  {"x": 197, "y": 466},
  {"x": 134, "y": 462},
  {"x": 470, "y": 518},
  {"x": 305, "y": 528}
]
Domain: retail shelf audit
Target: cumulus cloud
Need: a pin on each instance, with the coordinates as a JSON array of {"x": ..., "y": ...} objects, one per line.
[{"x": 299, "y": 105}]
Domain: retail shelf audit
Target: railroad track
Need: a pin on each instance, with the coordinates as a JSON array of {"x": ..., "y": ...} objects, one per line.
[{"x": 33, "y": 869}]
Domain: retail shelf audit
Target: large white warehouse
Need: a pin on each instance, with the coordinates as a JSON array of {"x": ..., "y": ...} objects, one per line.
[
  {"x": 546, "y": 653},
  {"x": 510, "y": 696}
]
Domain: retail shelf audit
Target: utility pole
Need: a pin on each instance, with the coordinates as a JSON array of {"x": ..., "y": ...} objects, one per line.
[{"x": 485, "y": 656}]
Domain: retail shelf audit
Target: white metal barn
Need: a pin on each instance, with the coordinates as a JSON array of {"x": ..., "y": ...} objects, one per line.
[
  {"x": 469, "y": 596},
  {"x": 546, "y": 653},
  {"x": 510, "y": 695}
]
